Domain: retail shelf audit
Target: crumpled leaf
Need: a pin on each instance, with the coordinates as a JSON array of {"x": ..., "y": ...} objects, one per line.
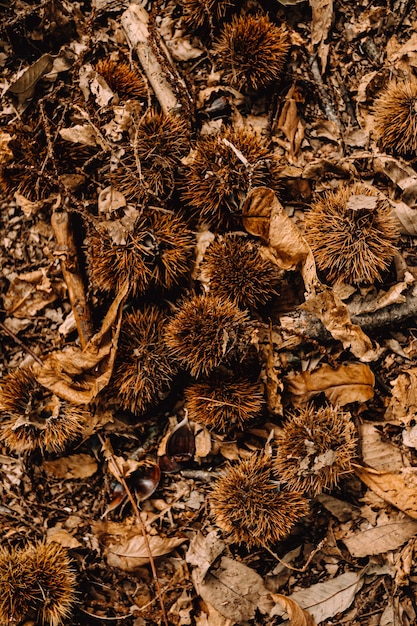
[
  {"x": 403, "y": 404},
  {"x": 80, "y": 133},
  {"x": 351, "y": 382},
  {"x": 130, "y": 554},
  {"x": 321, "y": 21},
  {"x": 72, "y": 466},
  {"x": 324, "y": 600},
  {"x": 24, "y": 85},
  {"x": 298, "y": 617},
  {"x": 265, "y": 217},
  {"x": 233, "y": 589},
  {"x": 79, "y": 375},
  {"x": 400, "y": 490},
  {"x": 387, "y": 535},
  {"x": 290, "y": 124},
  {"x": 31, "y": 292},
  {"x": 63, "y": 537}
]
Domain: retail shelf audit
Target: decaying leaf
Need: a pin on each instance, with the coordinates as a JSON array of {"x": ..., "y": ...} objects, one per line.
[
  {"x": 72, "y": 466},
  {"x": 63, "y": 537},
  {"x": 130, "y": 554},
  {"x": 203, "y": 551},
  {"x": 297, "y": 615},
  {"x": 388, "y": 535},
  {"x": 324, "y": 600},
  {"x": 79, "y": 375},
  {"x": 322, "y": 17},
  {"x": 31, "y": 292},
  {"x": 378, "y": 453},
  {"x": 403, "y": 404},
  {"x": 350, "y": 382},
  {"x": 400, "y": 490},
  {"x": 234, "y": 589}
]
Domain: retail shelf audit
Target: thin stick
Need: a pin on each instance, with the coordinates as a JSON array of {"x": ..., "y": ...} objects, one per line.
[
  {"x": 20, "y": 343},
  {"x": 67, "y": 251},
  {"x": 121, "y": 479},
  {"x": 306, "y": 564}
]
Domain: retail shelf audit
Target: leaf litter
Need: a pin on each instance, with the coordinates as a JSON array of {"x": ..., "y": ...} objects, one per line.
[{"x": 347, "y": 345}]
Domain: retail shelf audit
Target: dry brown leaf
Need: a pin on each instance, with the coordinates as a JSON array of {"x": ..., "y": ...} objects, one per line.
[
  {"x": 322, "y": 17},
  {"x": 63, "y": 537},
  {"x": 397, "y": 489},
  {"x": 290, "y": 124},
  {"x": 351, "y": 382},
  {"x": 403, "y": 404},
  {"x": 80, "y": 133},
  {"x": 203, "y": 551},
  {"x": 386, "y": 536},
  {"x": 234, "y": 589},
  {"x": 31, "y": 292},
  {"x": 378, "y": 453},
  {"x": 324, "y": 600},
  {"x": 298, "y": 617},
  {"x": 130, "y": 554},
  {"x": 79, "y": 375},
  {"x": 334, "y": 315},
  {"x": 72, "y": 466}
]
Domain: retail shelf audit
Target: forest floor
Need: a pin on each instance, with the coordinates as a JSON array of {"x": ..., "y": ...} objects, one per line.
[{"x": 91, "y": 142}]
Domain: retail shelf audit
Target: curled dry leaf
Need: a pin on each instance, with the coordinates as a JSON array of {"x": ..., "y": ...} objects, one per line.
[
  {"x": 63, "y": 537},
  {"x": 31, "y": 292},
  {"x": 322, "y": 18},
  {"x": 297, "y": 615},
  {"x": 400, "y": 490},
  {"x": 131, "y": 554},
  {"x": 403, "y": 404},
  {"x": 265, "y": 217},
  {"x": 79, "y": 375},
  {"x": 351, "y": 382}
]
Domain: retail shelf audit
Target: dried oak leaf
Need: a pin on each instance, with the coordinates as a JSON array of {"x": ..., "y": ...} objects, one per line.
[
  {"x": 79, "y": 375},
  {"x": 400, "y": 490},
  {"x": 351, "y": 382}
]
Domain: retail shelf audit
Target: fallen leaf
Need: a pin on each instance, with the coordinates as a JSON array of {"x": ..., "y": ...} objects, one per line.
[
  {"x": 397, "y": 489},
  {"x": 324, "y": 600},
  {"x": 350, "y": 382},
  {"x": 79, "y": 375},
  {"x": 31, "y": 292},
  {"x": 234, "y": 589},
  {"x": 298, "y": 617},
  {"x": 377, "y": 452},
  {"x": 80, "y": 133},
  {"x": 63, "y": 537},
  {"x": 132, "y": 553},
  {"x": 321, "y": 21},
  {"x": 403, "y": 405},
  {"x": 389, "y": 535},
  {"x": 203, "y": 551},
  {"x": 72, "y": 466}
]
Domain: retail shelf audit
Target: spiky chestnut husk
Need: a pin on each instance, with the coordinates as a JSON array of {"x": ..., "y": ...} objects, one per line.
[
  {"x": 37, "y": 579},
  {"x": 352, "y": 245},
  {"x": 155, "y": 252},
  {"x": 222, "y": 402},
  {"x": 122, "y": 79},
  {"x": 16, "y": 586},
  {"x": 253, "y": 51},
  {"x": 207, "y": 331},
  {"x": 148, "y": 168},
  {"x": 316, "y": 448},
  {"x": 31, "y": 417},
  {"x": 249, "y": 505},
  {"x": 395, "y": 117},
  {"x": 234, "y": 267},
  {"x": 143, "y": 371},
  {"x": 199, "y": 14},
  {"x": 217, "y": 180},
  {"x": 30, "y": 172}
]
